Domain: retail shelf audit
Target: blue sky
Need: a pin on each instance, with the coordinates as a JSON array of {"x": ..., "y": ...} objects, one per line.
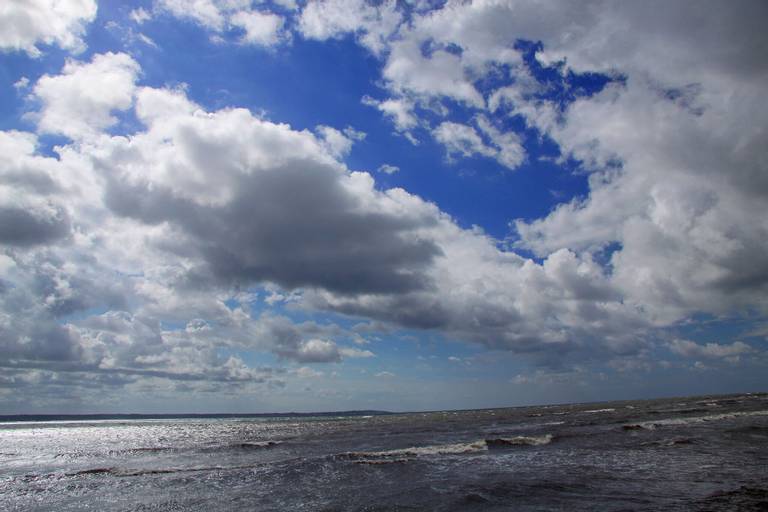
[{"x": 252, "y": 206}]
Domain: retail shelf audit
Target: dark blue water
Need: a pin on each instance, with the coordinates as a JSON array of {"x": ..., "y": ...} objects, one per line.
[{"x": 703, "y": 453}]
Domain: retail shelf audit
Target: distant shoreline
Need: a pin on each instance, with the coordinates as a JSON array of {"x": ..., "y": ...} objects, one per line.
[{"x": 34, "y": 418}]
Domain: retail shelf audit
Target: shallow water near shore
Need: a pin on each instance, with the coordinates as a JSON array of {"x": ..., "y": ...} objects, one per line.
[{"x": 699, "y": 453}]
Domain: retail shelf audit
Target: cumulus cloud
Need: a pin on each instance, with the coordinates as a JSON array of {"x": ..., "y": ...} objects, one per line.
[
  {"x": 26, "y": 24},
  {"x": 308, "y": 373},
  {"x": 355, "y": 250},
  {"x": 30, "y": 212},
  {"x": 374, "y": 23},
  {"x": 80, "y": 101},
  {"x": 207, "y": 13},
  {"x": 336, "y": 231},
  {"x": 690, "y": 349},
  {"x": 410, "y": 72},
  {"x": 338, "y": 143},
  {"x": 139, "y": 15},
  {"x": 388, "y": 169},
  {"x": 464, "y": 140},
  {"x": 385, "y": 255},
  {"x": 356, "y": 353},
  {"x": 172, "y": 222},
  {"x": 461, "y": 139},
  {"x": 670, "y": 196},
  {"x": 315, "y": 351},
  {"x": 263, "y": 29},
  {"x": 181, "y": 237},
  {"x": 37, "y": 332},
  {"x": 399, "y": 111},
  {"x": 21, "y": 83},
  {"x": 509, "y": 149},
  {"x": 258, "y": 27}
]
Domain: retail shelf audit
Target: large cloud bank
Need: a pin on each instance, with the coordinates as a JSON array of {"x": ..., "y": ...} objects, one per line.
[{"x": 117, "y": 238}]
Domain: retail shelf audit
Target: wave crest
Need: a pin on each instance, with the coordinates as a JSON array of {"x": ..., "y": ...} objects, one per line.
[
  {"x": 406, "y": 454},
  {"x": 520, "y": 441},
  {"x": 652, "y": 425}
]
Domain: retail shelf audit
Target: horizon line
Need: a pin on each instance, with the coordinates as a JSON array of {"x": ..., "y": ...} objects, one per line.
[{"x": 5, "y": 418}]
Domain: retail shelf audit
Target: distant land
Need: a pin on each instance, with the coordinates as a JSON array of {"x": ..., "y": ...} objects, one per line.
[
  {"x": 94, "y": 417},
  {"x": 6, "y": 418}
]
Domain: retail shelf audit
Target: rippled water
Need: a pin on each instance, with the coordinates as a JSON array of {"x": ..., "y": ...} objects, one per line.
[{"x": 705, "y": 453}]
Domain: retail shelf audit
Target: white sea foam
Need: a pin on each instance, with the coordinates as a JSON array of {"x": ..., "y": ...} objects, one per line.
[
  {"x": 599, "y": 410},
  {"x": 650, "y": 425},
  {"x": 482, "y": 445},
  {"x": 414, "y": 451},
  {"x": 256, "y": 444},
  {"x": 520, "y": 441}
]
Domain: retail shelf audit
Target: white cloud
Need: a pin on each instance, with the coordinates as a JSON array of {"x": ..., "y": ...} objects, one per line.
[
  {"x": 262, "y": 29},
  {"x": 317, "y": 351},
  {"x": 306, "y": 372},
  {"x": 339, "y": 142},
  {"x": 146, "y": 40},
  {"x": 79, "y": 102},
  {"x": 674, "y": 150},
  {"x": 31, "y": 209},
  {"x": 388, "y": 169},
  {"x": 690, "y": 349},
  {"x": 291, "y": 5},
  {"x": 26, "y": 23},
  {"x": 207, "y": 13},
  {"x": 398, "y": 110},
  {"x": 356, "y": 353},
  {"x": 140, "y": 226},
  {"x": 462, "y": 139},
  {"x": 139, "y": 15},
  {"x": 410, "y": 72},
  {"x": 419, "y": 270},
  {"x": 678, "y": 206},
  {"x": 355, "y": 135},
  {"x": 510, "y": 152},
  {"x": 324, "y": 19},
  {"x": 336, "y": 142},
  {"x": 21, "y": 83}
]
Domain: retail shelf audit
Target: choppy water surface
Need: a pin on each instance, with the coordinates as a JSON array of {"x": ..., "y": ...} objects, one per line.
[{"x": 704, "y": 453}]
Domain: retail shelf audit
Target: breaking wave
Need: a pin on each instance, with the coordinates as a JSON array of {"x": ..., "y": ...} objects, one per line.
[
  {"x": 255, "y": 445},
  {"x": 520, "y": 441},
  {"x": 123, "y": 472},
  {"x": 651, "y": 425},
  {"x": 406, "y": 454}
]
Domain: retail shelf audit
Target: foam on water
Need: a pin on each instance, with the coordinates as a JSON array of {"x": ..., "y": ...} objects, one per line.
[
  {"x": 413, "y": 452},
  {"x": 582, "y": 460},
  {"x": 418, "y": 451},
  {"x": 520, "y": 441},
  {"x": 651, "y": 425}
]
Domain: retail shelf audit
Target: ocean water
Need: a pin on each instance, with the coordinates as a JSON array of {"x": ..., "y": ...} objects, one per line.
[{"x": 702, "y": 453}]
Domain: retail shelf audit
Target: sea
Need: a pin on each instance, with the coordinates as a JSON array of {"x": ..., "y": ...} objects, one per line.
[{"x": 706, "y": 453}]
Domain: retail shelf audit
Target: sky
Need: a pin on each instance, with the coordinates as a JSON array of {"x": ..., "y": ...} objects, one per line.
[{"x": 246, "y": 206}]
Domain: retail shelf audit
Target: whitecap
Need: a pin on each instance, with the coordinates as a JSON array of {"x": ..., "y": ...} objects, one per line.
[
  {"x": 413, "y": 452},
  {"x": 651, "y": 425},
  {"x": 520, "y": 441}
]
